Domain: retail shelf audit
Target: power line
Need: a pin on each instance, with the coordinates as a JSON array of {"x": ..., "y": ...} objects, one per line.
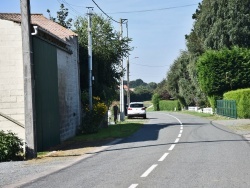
[
  {"x": 151, "y": 10},
  {"x": 75, "y": 11},
  {"x": 104, "y": 12}
]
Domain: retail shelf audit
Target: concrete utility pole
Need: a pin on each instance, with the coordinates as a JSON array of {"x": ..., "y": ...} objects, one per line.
[
  {"x": 90, "y": 56},
  {"x": 128, "y": 91},
  {"x": 29, "y": 98},
  {"x": 121, "y": 84}
]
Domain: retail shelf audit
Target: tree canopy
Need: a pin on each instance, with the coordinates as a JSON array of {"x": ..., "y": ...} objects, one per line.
[
  {"x": 215, "y": 60},
  {"x": 62, "y": 15},
  {"x": 108, "y": 50}
]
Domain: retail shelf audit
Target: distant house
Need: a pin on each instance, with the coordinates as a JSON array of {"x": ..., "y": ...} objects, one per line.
[{"x": 56, "y": 74}]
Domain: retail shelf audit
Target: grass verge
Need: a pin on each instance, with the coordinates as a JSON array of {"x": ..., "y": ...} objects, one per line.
[
  {"x": 120, "y": 130},
  {"x": 81, "y": 144},
  {"x": 205, "y": 115}
]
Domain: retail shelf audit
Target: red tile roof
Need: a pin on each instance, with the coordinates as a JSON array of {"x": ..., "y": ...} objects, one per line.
[{"x": 43, "y": 22}]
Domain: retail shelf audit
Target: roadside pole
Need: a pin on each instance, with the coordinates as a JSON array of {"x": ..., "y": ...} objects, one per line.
[
  {"x": 121, "y": 79},
  {"x": 90, "y": 57},
  {"x": 29, "y": 94}
]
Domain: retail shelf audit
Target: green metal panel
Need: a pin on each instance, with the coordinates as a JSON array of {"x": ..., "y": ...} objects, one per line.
[
  {"x": 227, "y": 108},
  {"x": 46, "y": 94}
]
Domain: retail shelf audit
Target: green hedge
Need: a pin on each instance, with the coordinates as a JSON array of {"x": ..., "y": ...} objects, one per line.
[
  {"x": 224, "y": 70},
  {"x": 156, "y": 101},
  {"x": 169, "y": 105},
  {"x": 10, "y": 147},
  {"x": 242, "y": 97}
]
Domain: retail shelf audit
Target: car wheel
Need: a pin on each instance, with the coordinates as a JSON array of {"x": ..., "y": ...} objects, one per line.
[{"x": 144, "y": 117}]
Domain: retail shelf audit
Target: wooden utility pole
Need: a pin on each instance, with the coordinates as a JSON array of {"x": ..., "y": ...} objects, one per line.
[{"x": 29, "y": 102}]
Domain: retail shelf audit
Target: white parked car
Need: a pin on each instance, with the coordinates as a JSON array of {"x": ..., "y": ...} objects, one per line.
[{"x": 136, "y": 109}]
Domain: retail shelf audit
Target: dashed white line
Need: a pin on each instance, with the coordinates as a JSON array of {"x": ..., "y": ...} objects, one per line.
[
  {"x": 163, "y": 157},
  {"x": 179, "y": 135},
  {"x": 177, "y": 140},
  {"x": 181, "y": 128},
  {"x": 171, "y": 147},
  {"x": 133, "y": 185},
  {"x": 181, "y": 131},
  {"x": 145, "y": 174}
]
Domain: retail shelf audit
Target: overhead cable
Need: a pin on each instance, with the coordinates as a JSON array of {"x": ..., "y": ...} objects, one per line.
[
  {"x": 104, "y": 12},
  {"x": 151, "y": 10}
]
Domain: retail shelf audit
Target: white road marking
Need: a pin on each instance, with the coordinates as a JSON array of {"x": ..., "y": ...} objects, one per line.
[
  {"x": 181, "y": 128},
  {"x": 145, "y": 174},
  {"x": 133, "y": 185},
  {"x": 177, "y": 140},
  {"x": 179, "y": 135},
  {"x": 163, "y": 157},
  {"x": 181, "y": 131},
  {"x": 171, "y": 147}
]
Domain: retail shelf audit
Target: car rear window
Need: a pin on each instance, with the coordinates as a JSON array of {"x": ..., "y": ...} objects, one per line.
[{"x": 136, "y": 105}]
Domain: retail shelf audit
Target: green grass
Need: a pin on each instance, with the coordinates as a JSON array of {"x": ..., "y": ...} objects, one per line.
[
  {"x": 205, "y": 115},
  {"x": 120, "y": 130}
]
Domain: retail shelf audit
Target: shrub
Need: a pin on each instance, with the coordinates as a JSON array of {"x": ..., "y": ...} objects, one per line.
[
  {"x": 156, "y": 101},
  {"x": 10, "y": 146},
  {"x": 94, "y": 117},
  {"x": 242, "y": 97},
  {"x": 170, "y": 105}
]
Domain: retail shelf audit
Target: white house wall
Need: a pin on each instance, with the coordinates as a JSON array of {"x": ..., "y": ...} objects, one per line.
[
  {"x": 68, "y": 86},
  {"x": 11, "y": 76}
]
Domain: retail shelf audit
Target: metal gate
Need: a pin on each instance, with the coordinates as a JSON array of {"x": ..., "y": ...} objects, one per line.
[
  {"x": 227, "y": 108},
  {"x": 46, "y": 94}
]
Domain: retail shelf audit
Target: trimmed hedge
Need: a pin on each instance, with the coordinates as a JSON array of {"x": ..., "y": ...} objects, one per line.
[
  {"x": 224, "y": 70},
  {"x": 242, "y": 97},
  {"x": 156, "y": 101},
  {"x": 10, "y": 147},
  {"x": 169, "y": 105}
]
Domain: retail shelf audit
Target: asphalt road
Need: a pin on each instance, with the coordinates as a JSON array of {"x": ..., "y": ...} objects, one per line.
[{"x": 171, "y": 150}]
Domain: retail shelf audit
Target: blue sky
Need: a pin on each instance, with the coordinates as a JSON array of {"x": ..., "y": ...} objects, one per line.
[{"x": 158, "y": 34}]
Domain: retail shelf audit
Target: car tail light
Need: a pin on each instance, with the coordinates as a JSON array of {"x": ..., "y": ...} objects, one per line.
[
  {"x": 143, "y": 108},
  {"x": 129, "y": 108}
]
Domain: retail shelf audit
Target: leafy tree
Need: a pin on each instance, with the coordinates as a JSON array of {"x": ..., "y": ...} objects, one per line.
[
  {"x": 152, "y": 86},
  {"x": 108, "y": 50},
  {"x": 62, "y": 15},
  {"x": 162, "y": 91},
  {"x": 219, "y": 24},
  {"x": 136, "y": 83}
]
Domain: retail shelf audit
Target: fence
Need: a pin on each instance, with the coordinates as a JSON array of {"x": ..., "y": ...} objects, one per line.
[{"x": 227, "y": 108}]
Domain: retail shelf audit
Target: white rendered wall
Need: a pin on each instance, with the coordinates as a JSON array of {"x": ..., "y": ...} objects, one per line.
[
  {"x": 11, "y": 77},
  {"x": 69, "y": 90}
]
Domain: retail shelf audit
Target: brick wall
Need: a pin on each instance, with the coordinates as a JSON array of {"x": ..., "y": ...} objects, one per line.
[
  {"x": 11, "y": 76},
  {"x": 69, "y": 90}
]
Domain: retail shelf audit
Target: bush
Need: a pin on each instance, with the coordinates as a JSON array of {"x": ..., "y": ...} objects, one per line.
[
  {"x": 10, "y": 147},
  {"x": 242, "y": 97},
  {"x": 156, "y": 101},
  {"x": 93, "y": 118},
  {"x": 170, "y": 105}
]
